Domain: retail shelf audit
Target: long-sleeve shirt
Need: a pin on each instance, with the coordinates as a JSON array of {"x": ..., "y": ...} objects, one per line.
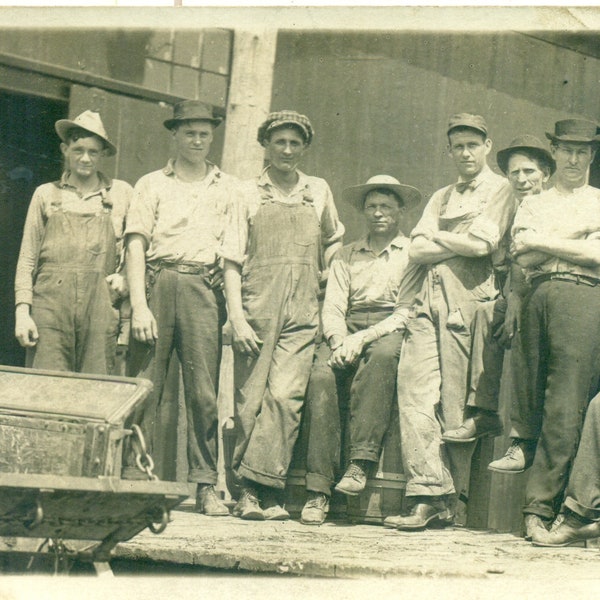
[
  {"x": 112, "y": 191},
  {"x": 555, "y": 214},
  {"x": 181, "y": 220},
  {"x": 243, "y": 208},
  {"x": 362, "y": 279}
]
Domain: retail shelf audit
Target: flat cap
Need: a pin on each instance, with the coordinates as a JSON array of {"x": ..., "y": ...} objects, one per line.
[
  {"x": 285, "y": 117},
  {"x": 476, "y": 122}
]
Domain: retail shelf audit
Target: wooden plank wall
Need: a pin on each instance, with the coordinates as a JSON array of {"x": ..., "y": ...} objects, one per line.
[{"x": 380, "y": 102}]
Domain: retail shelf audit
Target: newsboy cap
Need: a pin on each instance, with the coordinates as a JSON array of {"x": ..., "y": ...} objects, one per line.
[
  {"x": 285, "y": 117},
  {"x": 90, "y": 121},
  {"x": 468, "y": 120},
  {"x": 574, "y": 130},
  {"x": 356, "y": 194},
  {"x": 529, "y": 144},
  {"x": 192, "y": 110}
]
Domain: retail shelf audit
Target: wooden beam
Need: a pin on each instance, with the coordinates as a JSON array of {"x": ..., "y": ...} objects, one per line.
[{"x": 249, "y": 100}]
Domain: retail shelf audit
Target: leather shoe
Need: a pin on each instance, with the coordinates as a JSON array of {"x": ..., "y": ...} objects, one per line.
[
  {"x": 248, "y": 507},
  {"x": 572, "y": 530},
  {"x": 518, "y": 457},
  {"x": 534, "y": 525},
  {"x": 315, "y": 509},
  {"x": 354, "y": 480},
  {"x": 421, "y": 515},
  {"x": 479, "y": 426},
  {"x": 209, "y": 503}
]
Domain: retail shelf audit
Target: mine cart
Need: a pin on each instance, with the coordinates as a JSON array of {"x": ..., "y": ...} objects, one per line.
[{"x": 61, "y": 447}]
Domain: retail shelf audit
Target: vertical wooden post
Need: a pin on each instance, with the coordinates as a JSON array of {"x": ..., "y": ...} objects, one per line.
[{"x": 249, "y": 100}]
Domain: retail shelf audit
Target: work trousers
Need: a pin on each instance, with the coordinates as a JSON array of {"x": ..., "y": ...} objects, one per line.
[
  {"x": 280, "y": 286},
  {"x": 432, "y": 389},
  {"x": 583, "y": 491},
  {"x": 561, "y": 341},
  {"x": 366, "y": 391},
  {"x": 190, "y": 316},
  {"x": 71, "y": 306}
]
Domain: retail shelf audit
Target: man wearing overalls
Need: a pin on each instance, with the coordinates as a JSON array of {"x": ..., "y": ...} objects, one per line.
[
  {"x": 282, "y": 233},
  {"x": 66, "y": 283},
  {"x": 174, "y": 230},
  {"x": 432, "y": 375}
]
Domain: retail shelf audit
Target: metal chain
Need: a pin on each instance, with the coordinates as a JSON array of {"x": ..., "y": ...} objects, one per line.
[{"x": 143, "y": 460}]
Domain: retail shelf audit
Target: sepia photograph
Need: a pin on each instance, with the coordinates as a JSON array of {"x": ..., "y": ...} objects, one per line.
[{"x": 299, "y": 300}]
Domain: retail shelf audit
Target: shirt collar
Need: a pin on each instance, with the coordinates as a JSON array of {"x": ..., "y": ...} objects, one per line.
[
  {"x": 213, "y": 170},
  {"x": 398, "y": 242},
  {"x": 264, "y": 180},
  {"x": 480, "y": 178},
  {"x": 105, "y": 182}
]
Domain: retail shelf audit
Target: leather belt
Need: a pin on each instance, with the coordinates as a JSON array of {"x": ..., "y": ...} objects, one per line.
[
  {"x": 571, "y": 277},
  {"x": 190, "y": 268}
]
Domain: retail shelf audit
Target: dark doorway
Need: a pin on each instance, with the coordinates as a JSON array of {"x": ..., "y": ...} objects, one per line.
[
  {"x": 29, "y": 155},
  {"x": 595, "y": 171}
]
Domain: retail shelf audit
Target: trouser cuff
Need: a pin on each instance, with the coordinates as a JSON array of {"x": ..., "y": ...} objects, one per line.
[
  {"x": 318, "y": 483},
  {"x": 202, "y": 476},
  {"x": 593, "y": 514},
  {"x": 267, "y": 479}
]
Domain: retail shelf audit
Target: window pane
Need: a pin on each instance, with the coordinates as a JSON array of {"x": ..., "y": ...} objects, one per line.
[
  {"x": 185, "y": 82},
  {"x": 213, "y": 89},
  {"x": 216, "y": 50}
]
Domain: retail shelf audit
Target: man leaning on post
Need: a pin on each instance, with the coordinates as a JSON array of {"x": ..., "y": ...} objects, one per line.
[
  {"x": 174, "y": 229},
  {"x": 434, "y": 362}
]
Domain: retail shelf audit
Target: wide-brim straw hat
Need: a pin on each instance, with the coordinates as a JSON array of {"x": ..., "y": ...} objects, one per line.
[
  {"x": 356, "y": 194},
  {"x": 90, "y": 121},
  {"x": 192, "y": 110},
  {"x": 529, "y": 144},
  {"x": 575, "y": 130}
]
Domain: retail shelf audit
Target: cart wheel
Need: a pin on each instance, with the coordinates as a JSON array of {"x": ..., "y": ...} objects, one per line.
[
  {"x": 37, "y": 517},
  {"x": 160, "y": 527}
]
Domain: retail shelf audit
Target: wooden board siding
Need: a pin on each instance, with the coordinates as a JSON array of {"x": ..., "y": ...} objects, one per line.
[{"x": 380, "y": 102}]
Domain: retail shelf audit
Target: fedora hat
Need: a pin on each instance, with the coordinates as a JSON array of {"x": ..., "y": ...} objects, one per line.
[
  {"x": 575, "y": 130},
  {"x": 529, "y": 144},
  {"x": 90, "y": 121},
  {"x": 356, "y": 194},
  {"x": 476, "y": 122},
  {"x": 192, "y": 110}
]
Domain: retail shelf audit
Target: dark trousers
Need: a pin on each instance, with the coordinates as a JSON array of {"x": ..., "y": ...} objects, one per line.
[
  {"x": 190, "y": 316},
  {"x": 561, "y": 341},
  {"x": 366, "y": 391},
  {"x": 583, "y": 491}
]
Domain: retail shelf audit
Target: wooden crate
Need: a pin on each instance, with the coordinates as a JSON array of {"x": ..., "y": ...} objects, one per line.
[{"x": 65, "y": 423}]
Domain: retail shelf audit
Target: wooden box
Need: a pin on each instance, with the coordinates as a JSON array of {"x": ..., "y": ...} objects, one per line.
[{"x": 65, "y": 423}]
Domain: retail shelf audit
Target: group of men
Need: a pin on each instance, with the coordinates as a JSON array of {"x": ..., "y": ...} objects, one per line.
[{"x": 418, "y": 325}]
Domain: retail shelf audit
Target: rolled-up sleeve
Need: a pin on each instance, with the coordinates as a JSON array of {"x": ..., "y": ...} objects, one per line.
[
  {"x": 410, "y": 285},
  {"x": 235, "y": 235},
  {"x": 332, "y": 229},
  {"x": 337, "y": 293},
  {"x": 141, "y": 215},
  {"x": 428, "y": 224},
  {"x": 33, "y": 234},
  {"x": 496, "y": 218}
]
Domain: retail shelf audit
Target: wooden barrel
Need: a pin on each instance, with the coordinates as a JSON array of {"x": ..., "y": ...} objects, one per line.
[{"x": 383, "y": 495}]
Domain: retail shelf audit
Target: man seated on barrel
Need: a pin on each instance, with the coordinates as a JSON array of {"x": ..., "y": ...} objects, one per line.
[{"x": 358, "y": 364}]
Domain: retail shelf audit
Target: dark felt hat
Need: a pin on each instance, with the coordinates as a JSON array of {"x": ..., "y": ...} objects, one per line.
[
  {"x": 192, "y": 110},
  {"x": 575, "y": 130},
  {"x": 529, "y": 144}
]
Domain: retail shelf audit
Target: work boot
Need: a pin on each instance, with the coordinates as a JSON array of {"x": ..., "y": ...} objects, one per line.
[
  {"x": 484, "y": 423},
  {"x": 248, "y": 506},
  {"x": 573, "y": 529},
  {"x": 534, "y": 525},
  {"x": 315, "y": 509},
  {"x": 518, "y": 457},
  {"x": 427, "y": 510},
  {"x": 273, "y": 509},
  {"x": 209, "y": 503},
  {"x": 355, "y": 478}
]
